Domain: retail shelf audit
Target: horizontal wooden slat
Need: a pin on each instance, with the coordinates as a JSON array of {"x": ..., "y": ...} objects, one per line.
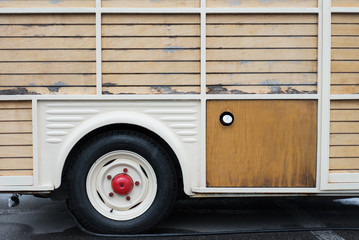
[
  {"x": 150, "y": 18},
  {"x": 48, "y": 43},
  {"x": 47, "y": 30},
  {"x": 261, "y": 18},
  {"x": 345, "y": 66},
  {"x": 345, "y": 29},
  {"x": 261, "y": 79},
  {"x": 151, "y": 55},
  {"x": 15, "y": 163},
  {"x": 348, "y": 89},
  {"x": 15, "y": 139},
  {"x": 47, "y": 80},
  {"x": 44, "y": 3},
  {"x": 262, "y": 42},
  {"x": 261, "y": 3},
  {"x": 15, "y": 127},
  {"x": 150, "y": 67},
  {"x": 268, "y": 66},
  {"x": 344, "y": 104},
  {"x": 47, "y": 55},
  {"x": 345, "y": 3},
  {"x": 153, "y": 30},
  {"x": 15, "y": 104},
  {"x": 47, "y": 67},
  {"x": 160, "y": 42},
  {"x": 343, "y": 163},
  {"x": 344, "y": 115},
  {"x": 15, "y": 151},
  {"x": 54, "y": 90},
  {"x": 344, "y": 151},
  {"x": 344, "y": 139},
  {"x": 252, "y": 30},
  {"x": 345, "y": 42},
  {"x": 15, "y": 114},
  {"x": 261, "y": 89},
  {"x": 16, "y": 173},
  {"x": 344, "y": 127},
  {"x": 345, "y": 78},
  {"x": 152, "y": 90},
  {"x": 42, "y": 19},
  {"x": 150, "y": 79},
  {"x": 345, "y": 17},
  {"x": 345, "y": 54},
  {"x": 146, "y": 3},
  {"x": 262, "y": 54}
]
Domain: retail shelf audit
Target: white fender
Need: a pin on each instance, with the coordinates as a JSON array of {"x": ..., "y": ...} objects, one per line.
[{"x": 121, "y": 117}]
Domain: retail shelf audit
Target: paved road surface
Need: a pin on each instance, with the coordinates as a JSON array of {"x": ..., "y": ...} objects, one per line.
[{"x": 44, "y": 219}]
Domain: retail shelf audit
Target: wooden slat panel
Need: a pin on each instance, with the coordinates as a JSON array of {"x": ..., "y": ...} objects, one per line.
[
  {"x": 48, "y": 43},
  {"x": 345, "y": 42},
  {"x": 48, "y": 55},
  {"x": 344, "y": 115},
  {"x": 146, "y": 3},
  {"x": 15, "y": 104},
  {"x": 45, "y": 3},
  {"x": 344, "y": 139},
  {"x": 150, "y": 67},
  {"x": 261, "y": 3},
  {"x": 263, "y": 89},
  {"x": 348, "y": 89},
  {"x": 345, "y": 104},
  {"x": 158, "y": 42},
  {"x": 345, "y": 66},
  {"x": 152, "y": 55},
  {"x": 47, "y": 30},
  {"x": 53, "y": 80},
  {"x": 344, "y": 151},
  {"x": 345, "y": 17},
  {"x": 150, "y": 19},
  {"x": 15, "y": 139},
  {"x": 15, "y": 114},
  {"x": 166, "y": 89},
  {"x": 345, "y": 54},
  {"x": 263, "y": 147},
  {"x": 343, "y": 163},
  {"x": 150, "y": 79},
  {"x": 54, "y": 90},
  {"x": 344, "y": 127},
  {"x": 146, "y": 30},
  {"x": 47, "y": 67},
  {"x": 44, "y": 19},
  {"x": 15, "y": 163},
  {"x": 15, "y": 151},
  {"x": 345, "y": 78},
  {"x": 264, "y": 18},
  {"x": 16, "y": 173},
  {"x": 16, "y": 127},
  {"x": 345, "y": 29},
  {"x": 345, "y": 3}
]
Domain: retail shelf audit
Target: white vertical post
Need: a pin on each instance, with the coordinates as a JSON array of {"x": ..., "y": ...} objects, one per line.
[
  {"x": 325, "y": 93},
  {"x": 35, "y": 144},
  {"x": 98, "y": 48}
]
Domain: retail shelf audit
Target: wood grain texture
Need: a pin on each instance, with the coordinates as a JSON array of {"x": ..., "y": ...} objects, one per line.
[
  {"x": 47, "y": 53},
  {"x": 46, "y": 3},
  {"x": 261, "y": 3},
  {"x": 151, "y": 53},
  {"x": 17, "y": 172},
  {"x": 345, "y": 3},
  {"x": 267, "y": 44},
  {"x": 149, "y": 3},
  {"x": 272, "y": 143}
]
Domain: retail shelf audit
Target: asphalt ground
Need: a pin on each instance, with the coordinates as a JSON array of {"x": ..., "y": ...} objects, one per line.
[{"x": 222, "y": 218}]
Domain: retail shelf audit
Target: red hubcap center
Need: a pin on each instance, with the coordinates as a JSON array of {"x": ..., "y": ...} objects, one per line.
[{"x": 122, "y": 184}]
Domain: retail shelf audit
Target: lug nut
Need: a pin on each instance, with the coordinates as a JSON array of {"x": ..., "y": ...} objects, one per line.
[
  {"x": 111, "y": 194},
  {"x": 128, "y": 198},
  {"x": 137, "y": 183},
  {"x": 109, "y": 177},
  {"x": 125, "y": 170}
]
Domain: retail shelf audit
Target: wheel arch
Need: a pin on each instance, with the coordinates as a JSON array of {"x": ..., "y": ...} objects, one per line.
[{"x": 128, "y": 121}]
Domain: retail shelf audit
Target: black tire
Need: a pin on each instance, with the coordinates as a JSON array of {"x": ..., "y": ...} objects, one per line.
[{"x": 132, "y": 141}]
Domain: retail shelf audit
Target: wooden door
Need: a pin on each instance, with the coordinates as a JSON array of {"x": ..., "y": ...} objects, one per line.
[{"x": 271, "y": 143}]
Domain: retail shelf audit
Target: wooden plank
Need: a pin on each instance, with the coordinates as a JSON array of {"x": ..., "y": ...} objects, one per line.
[
  {"x": 344, "y": 127},
  {"x": 15, "y": 139},
  {"x": 16, "y": 173},
  {"x": 345, "y": 66},
  {"x": 261, "y": 3},
  {"x": 150, "y": 79},
  {"x": 151, "y": 55},
  {"x": 16, "y": 127},
  {"x": 150, "y": 19},
  {"x": 262, "y": 79},
  {"x": 154, "y": 4},
  {"x": 260, "y": 30},
  {"x": 150, "y": 30},
  {"x": 150, "y": 67},
  {"x": 345, "y": 17},
  {"x": 345, "y": 3},
  {"x": 344, "y": 115},
  {"x": 344, "y": 151},
  {"x": 15, "y": 114},
  {"x": 15, "y": 163},
  {"x": 345, "y": 54},
  {"x": 263, "y": 147},
  {"x": 15, "y": 104},
  {"x": 262, "y": 42},
  {"x": 53, "y": 90},
  {"x": 44, "y": 3},
  {"x": 15, "y": 151},
  {"x": 152, "y": 90},
  {"x": 269, "y": 89},
  {"x": 347, "y": 42},
  {"x": 344, "y": 104},
  {"x": 48, "y": 43},
  {"x": 344, "y": 139},
  {"x": 345, "y": 29},
  {"x": 41, "y": 19},
  {"x": 158, "y": 42},
  {"x": 348, "y": 89},
  {"x": 48, "y": 80},
  {"x": 345, "y": 78},
  {"x": 47, "y": 30},
  {"x": 261, "y": 18},
  {"x": 47, "y": 55},
  {"x": 47, "y": 67},
  {"x": 344, "y": 164},
  {"x": 265, "y": 66}
]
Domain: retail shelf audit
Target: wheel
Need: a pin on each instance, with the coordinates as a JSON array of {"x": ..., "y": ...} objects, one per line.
[{"x": 121, "y": 182}]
